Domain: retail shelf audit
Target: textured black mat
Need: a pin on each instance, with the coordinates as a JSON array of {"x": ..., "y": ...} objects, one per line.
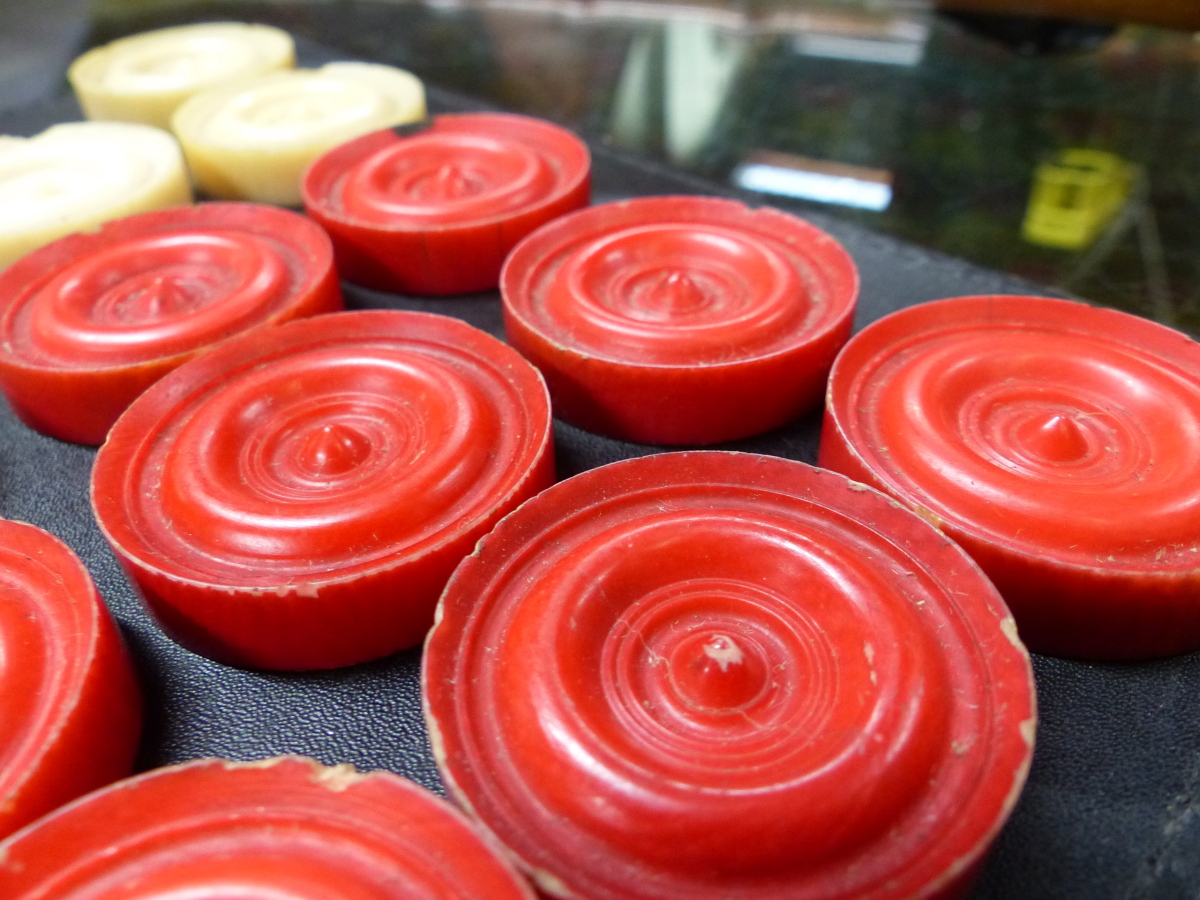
[{"x": 1112, "y": 808}]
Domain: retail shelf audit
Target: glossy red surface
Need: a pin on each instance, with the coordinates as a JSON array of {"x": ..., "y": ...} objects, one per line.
[
  {"x": 90, "y": 321},
  {"x": 711, "y": 675},
  {"x": 285, "y": 827},
  {"x": 680, "y": 320},
  {"x": 436, "y": 210},
  {"x": 1056, "y": 442},
  {"x": 70, "y": 709},
  {"x": 296, "y": 499}
]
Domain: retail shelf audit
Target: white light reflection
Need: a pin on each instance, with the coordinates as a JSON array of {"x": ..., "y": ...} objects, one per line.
[
  {"x": 821, "y": 187},
  {"x": 857, "y": 49}
]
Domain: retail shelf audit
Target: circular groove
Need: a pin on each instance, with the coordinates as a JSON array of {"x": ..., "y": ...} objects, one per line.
[
  {"x": 461, "y": 170},
  {"x": 680, "y": 281},
  {"x": 74, "y": 176}
]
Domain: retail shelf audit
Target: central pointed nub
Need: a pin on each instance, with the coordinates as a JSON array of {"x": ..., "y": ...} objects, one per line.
[
  {"x": 676, "y": 294},
  {"x": 712, "y": 671},
  {"x": 1056, "y": 439},
  {"x": 452, "y": 183},
  {"x": 155, "y": 296},
  {"x": 150, "y": 298},
  {"x": 333, "y": 450}
]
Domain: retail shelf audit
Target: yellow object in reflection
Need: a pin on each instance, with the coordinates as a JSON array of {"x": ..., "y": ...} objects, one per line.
[{"x": 1075, "y": 196}]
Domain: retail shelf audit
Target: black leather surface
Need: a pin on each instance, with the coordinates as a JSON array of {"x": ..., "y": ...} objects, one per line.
[{"x": 1112, "y": 808}]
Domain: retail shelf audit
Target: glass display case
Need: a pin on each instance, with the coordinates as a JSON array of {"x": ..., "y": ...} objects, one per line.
[{"x": 954, "y": 130}]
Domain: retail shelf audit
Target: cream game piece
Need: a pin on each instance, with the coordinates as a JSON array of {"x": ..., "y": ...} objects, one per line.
[
  {"x": 254, "y": 140},
  {"x": 145, "y": 77},
  {"x": 74, "y": 176}
]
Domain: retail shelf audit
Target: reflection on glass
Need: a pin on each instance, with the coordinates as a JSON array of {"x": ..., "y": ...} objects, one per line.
[
  {"x": 786, "y": 175},
  {"x": 958, "y": 111}
]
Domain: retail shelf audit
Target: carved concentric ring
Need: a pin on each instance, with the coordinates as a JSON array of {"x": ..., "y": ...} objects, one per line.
[
  {"x": 446, "y": 176},
  {"x": 351, "y": 446},
  {"x": 1044, "y": 429},
  {"x": 284, "y": 827},
  {"x": 675, "y": 281},
  {"x": 704, "y": 675},
  {"x": 385, "y": 441},
  {"x": 154, "y": 296},
  {"x": 725, "y": 317},
  {"x": 461, "y": 170},
  {"x": 677, "y": 294},
  {"x": 300, "y": 107}
]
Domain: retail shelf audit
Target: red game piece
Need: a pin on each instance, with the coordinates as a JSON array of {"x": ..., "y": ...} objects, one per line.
[
  {"x": 680, "y": 320},
  {"x": 69, "y": 704},
  {"x": 296, "y": 499},
  {"x": 435, "y": 210},
  {"x": 710, "y": 675},
  {"x": 1056, "y": 442},
  {"x": 90, "y": 321}
]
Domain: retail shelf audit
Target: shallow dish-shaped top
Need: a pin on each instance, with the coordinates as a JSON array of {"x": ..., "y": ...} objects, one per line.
[
  {"x": 435, "y": 209},
  {"x": 1056, "y": 442},
  {"x": 711, "y": 675},
  {"x": 283, "y": 827},
  {"x": 680, "y": 320},
  {"x": 298, "y": 497}
]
